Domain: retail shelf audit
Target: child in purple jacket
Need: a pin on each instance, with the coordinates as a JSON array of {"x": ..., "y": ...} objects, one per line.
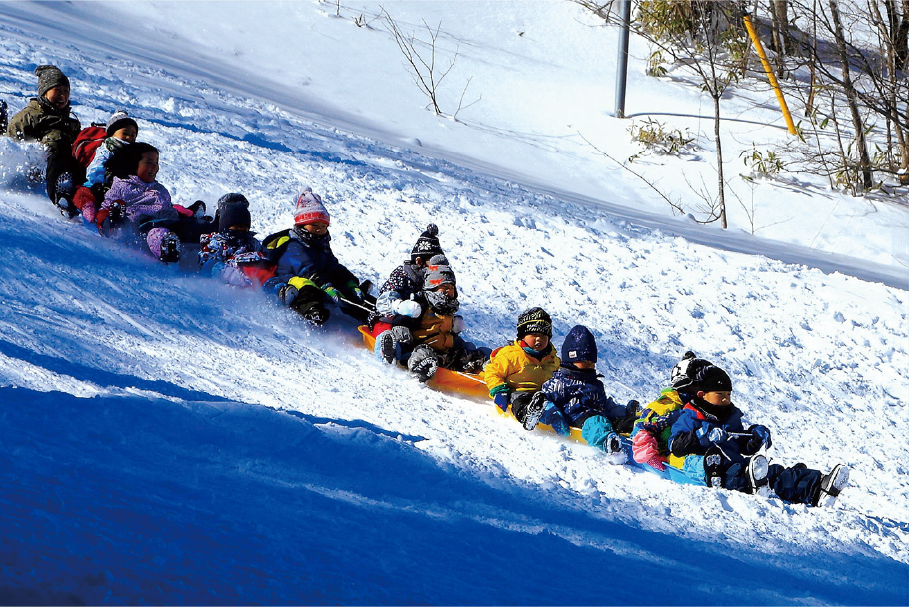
[{"x": 138, "y": 208}]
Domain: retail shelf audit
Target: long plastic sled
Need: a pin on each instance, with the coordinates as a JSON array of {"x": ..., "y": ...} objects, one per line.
[
  {"x": 670, "y": 473},
  {"x": 445, "y": 380},
  {"x": 474, "y": 387}
]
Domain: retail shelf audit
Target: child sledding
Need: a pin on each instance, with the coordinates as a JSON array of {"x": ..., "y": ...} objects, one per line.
[
  {"x": 137, "y": 209},
  {"x": 415, "y": 322},
  {"x": 307, "y": 274},
  {"x": 695, "y": 427},
  {"x": 233, "y": 253},
  {"x": 516, "y": 372},
  {"x": 48, "y": 119},
  {"x": 575, "y": 398}
]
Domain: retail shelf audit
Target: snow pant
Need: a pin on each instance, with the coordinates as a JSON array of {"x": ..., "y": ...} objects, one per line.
[
  {"x": 796, "y": 485},
  {"x": 58, "y": 162},
  {"x": 595, "y": 430}
]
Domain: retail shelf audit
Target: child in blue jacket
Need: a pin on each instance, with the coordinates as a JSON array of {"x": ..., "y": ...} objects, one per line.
[
  {"x": 575, "y": 396},
  {"x": 709, "y": 432},
  {"x": 308, "y": 275}
]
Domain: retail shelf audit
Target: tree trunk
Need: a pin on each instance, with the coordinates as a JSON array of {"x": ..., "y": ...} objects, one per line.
[
  {"x": 719, "y": 160},
  {"x": 782, "y": 41},
  {"x": 851, "y": 98}
]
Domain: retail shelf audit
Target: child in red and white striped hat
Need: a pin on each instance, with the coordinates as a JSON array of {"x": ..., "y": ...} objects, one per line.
[{"x": 308, "y": 275}]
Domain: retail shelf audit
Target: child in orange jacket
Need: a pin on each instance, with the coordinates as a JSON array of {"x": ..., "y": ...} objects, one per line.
[{"x": 515, "y": 373}]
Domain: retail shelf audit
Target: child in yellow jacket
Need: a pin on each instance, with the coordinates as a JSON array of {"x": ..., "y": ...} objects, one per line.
[{"x": 515, "y": 373}]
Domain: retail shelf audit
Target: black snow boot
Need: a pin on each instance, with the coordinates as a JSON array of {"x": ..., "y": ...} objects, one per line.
[{"x": 831, "y": 484}]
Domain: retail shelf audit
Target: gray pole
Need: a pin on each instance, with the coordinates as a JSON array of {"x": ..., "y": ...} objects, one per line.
[{"x": 621, "y": 73}]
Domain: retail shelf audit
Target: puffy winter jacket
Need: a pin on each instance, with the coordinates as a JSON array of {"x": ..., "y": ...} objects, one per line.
[
  {"x": 690, "y": 431},
  {"x": 41, "y": 121},
  {"x": 657, "y": 419},
  {"x": 579, "y": 395},
  {"x": 311, "y": 258},
  {"x": 97, "y": 173},
  {"x": 141, "y": 201},
  {"x": 513, "y": 367}
]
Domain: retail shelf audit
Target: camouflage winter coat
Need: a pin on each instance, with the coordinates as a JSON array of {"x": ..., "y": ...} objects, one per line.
[{"x": 41, "y": 121}]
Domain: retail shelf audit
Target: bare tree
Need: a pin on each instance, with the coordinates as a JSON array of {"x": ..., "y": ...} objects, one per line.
[
  {"x": 707, "y": 37},
  {"x": 422, "y": 63}
]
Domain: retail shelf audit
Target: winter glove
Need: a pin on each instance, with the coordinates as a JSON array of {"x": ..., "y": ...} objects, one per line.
[
  {"x": 401, "y": 334},
  {"x": 407, "y": 307},
  {"x": 457, "y": 324},
  {"x": 760, "y": 439},
  {"x": 644, "y": 450},
  {"x": 501, "y": 396},
  {"x": 183, "y": 211},
  {"x": 354, "y": 289},
  {"x": 288, "y": 294},
  {"x": 712, "y": 436},
  {"x": 332, "y": 292}
]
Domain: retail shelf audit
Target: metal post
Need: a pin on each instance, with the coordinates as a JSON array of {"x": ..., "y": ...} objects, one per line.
[{"x": 621, "y": 73}]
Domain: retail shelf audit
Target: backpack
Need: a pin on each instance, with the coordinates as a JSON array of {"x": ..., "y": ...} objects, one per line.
[
  {"x": 276, "y": 244},
  {"x": 87, "y": 143}
]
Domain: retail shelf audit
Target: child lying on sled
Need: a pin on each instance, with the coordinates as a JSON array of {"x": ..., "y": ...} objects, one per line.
[
  {"x": 425, "y": 332},
  {"x": 575, "y": 397},
  {"x": 704, "y": 434}
]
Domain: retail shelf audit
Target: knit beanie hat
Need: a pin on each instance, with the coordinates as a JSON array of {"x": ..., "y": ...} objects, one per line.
[
  {"x": 233, "y": 199},
  {"x": 684, "y": 374},
  {"x": 437, "y": 276},
  {"x": 234, "y": 215},
  {"x": 534, "y": 320},
  {"x": 49, "y": 76},
  {"x": 118, "y": 120},
  {"x": 713, "y": 379},
  {"x": 427, "y": 244},
  {"x": 579, "y": 345},
  {"x": 310, "y": 209}
]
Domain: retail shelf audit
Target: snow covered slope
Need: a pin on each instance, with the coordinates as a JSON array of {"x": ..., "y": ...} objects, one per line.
[{"x": 168, "y": 439}]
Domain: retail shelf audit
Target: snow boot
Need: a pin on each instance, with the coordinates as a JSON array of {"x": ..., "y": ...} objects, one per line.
[
  {"x": 758, "y": 467},
  {"x": 315, "y": 313},
  {"x": 534, "y": 411},
  {"x": 170, "y": 248},
  {"x": 198, "y": 209},
  {"x": 714, "y": 467},
  {"x": 63, "y": 195},
  {"x": 831, "y": 484},
  {"x": 386, "y": 347},
  {"x": 423, "y": 363}
]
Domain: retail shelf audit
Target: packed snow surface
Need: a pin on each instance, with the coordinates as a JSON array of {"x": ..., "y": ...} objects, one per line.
[{"x": 167, "y": 439}]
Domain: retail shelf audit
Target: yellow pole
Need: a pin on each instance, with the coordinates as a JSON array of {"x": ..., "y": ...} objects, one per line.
[{"x": 769, "y": 70}]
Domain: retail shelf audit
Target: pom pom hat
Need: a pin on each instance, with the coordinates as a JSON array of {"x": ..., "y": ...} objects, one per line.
[
  {"x": 427, "y": 244},
  {"x": 310, "y": 209},
  {"x": 693, "y": 374}
]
